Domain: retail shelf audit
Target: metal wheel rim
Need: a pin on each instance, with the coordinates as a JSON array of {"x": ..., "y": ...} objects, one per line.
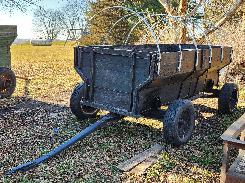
[
  {"x": 233, "y": 99},
  {"x": 6, "y": 83}
]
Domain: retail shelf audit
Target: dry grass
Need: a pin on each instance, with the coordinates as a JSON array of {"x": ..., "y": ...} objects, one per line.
[
  {"x": 31, "y": 127},
  {"x": 49, "y": 68}
]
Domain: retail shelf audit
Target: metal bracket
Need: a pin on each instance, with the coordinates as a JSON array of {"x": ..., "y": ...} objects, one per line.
[
  {"x": 180, "y": 58},
  {"x": 197, "y": 57},
  {"x": 210, "y": 54},
  {"x": 231, "y": 55},
  {"x": 222, "y": 53}
]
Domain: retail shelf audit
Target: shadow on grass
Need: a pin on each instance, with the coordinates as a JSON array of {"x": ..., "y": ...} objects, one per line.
[{"x": 31, "y": 128}]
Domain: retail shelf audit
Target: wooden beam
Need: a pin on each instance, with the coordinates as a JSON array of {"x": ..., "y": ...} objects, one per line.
[
  {"x": 235, "y": 129},
  {"x": 134, "y": 161}
]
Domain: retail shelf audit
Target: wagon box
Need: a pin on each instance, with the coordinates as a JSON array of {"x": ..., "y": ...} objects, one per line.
[
  {"x": 137, "y": 80},
  {"x": 8, "y": 33},
  {"x": 133, "y": 80}
]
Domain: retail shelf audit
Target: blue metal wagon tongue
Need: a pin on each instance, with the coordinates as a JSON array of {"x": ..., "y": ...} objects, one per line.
[{"x": 84, "y": 133}]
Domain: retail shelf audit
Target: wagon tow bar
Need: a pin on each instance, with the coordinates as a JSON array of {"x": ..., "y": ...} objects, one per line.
[{"x": 84, "y": 133}]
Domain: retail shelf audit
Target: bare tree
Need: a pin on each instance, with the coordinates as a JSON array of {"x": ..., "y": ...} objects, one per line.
[
  {"x": 183, "y": 12},
  {"x": 74, "y": 17},
  {"x": 21, "y": 5},
  {"x": 48, "y": 23},
  {"x": 227, "y": 16}
]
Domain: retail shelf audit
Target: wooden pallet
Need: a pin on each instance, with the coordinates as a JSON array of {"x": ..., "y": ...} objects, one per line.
[{"x": 230, "y": 138}]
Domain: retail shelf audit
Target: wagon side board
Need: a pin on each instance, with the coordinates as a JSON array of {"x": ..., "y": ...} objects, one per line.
[
  {"x": 195, "y": 75},
  {"x": 112, "y": 77}
]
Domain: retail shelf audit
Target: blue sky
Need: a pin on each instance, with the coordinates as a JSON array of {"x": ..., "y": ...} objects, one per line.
[{"x": 24, "y": 20}]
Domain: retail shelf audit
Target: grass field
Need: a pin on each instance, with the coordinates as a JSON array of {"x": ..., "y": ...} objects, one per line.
[
  {"x": 50, "y": 69},
  {"x": 32, "y": 126}
]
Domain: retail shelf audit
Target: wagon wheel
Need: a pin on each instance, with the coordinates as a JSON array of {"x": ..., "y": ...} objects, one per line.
[
  {"x": 228, "y": 98},
  {"x": 81, "y": 111},
  {"x": 7, "y": 82},
  {"x": 179, "y": 122}
]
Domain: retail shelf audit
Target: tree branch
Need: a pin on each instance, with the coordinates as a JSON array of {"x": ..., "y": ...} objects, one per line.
[
  {"x": 222, "y": 21},
  {"x": 166, "y": 5},
  {"x": 182, "y": 12},
  {"x": 195, "y": 9}
]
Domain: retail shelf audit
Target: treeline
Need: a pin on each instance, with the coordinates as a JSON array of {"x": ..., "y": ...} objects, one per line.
[{"x": 208, "y": 17}]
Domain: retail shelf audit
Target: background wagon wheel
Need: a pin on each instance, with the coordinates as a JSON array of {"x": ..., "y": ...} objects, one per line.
[
  {"x": 179, "y": 122},
  {"x": 81, "y": 111},
  {"x": 228, "y": 98},
  {"x": 7, "y": 82}
]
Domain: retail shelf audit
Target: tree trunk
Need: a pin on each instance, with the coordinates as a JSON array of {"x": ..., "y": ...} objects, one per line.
[{"x": 182, "y": 12}]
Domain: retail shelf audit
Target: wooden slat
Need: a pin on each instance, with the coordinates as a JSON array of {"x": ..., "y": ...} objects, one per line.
[
  {"x": 235, "y": 143},
  {"x": 235, "y": 129},
  {"x": 230, "y": 139},
  {"x": 134, "y": 161},
  {"x": 142, "y": 167}
]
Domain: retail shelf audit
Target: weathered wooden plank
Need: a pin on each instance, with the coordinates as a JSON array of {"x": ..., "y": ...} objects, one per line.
[
  {"x": 141, "y": 168},
  {"x": 232, "y": 170},
  {"x": 134, "y": 161},
  {"x": 235, "y": 129}
]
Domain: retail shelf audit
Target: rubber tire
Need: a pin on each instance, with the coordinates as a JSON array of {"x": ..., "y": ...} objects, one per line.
[
  {"x": 229, "y": 93},
  {"x": 75, "y": 104},
  {"x": 12, "y": 77},
  {"x": 171, "y": 119}
]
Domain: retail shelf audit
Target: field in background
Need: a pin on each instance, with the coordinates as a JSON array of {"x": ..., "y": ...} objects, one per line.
[
  {"x": 28, "y": 127},
  {"x": 49, "y": 68}
]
